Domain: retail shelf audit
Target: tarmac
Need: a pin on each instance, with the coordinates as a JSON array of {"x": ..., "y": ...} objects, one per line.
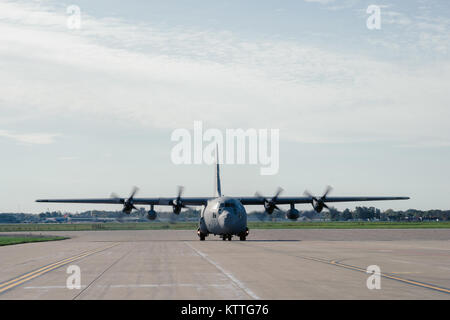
[{"x": 271, "y": 264}]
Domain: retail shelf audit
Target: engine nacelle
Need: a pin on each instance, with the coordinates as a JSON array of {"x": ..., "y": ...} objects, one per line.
[
  {"x": 292, "y": 214},
  {"x": 127, "y": 207},
  {"x": 151, "y": 215},
  {"x": 269, "y": 207},
  {"x": 318, "y": 206},
  {"x": 127, "y": 210},
  {"x": 176, "y": 209}
]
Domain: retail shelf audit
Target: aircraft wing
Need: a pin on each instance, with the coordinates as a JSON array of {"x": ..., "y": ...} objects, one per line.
[
  {"x": 357, "y": 199},
  {"x": 189, "y": 201},
  {"x": 99, "y": 200},
  {"x": 142, "y": 201},
  {"x": 200, "y": 201},
  {"x": 288, "y": 200}
]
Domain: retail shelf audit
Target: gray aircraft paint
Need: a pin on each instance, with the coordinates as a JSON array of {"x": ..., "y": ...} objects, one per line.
[{"x": 224, "y": 216}]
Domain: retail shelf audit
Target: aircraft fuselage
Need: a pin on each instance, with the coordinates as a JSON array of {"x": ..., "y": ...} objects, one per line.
[{"x": 224, "y": 216}]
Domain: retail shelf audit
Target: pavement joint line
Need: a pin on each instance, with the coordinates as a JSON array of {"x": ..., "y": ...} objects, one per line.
[
  {"x": 102, "y": 273},
  {"x": 33, "y": 274},
  {"x": 385, "y": 275},
  {"x": 42, "y": 268},
  {"x": 41, "y": 271},
  {"x": 137, "y": 286},
  {"x": 226, "y": 273},
  {"x": 38, "y": 270}
]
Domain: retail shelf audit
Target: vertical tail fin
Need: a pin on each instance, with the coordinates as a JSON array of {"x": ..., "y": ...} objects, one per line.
[{"x": 218, "y": 189}]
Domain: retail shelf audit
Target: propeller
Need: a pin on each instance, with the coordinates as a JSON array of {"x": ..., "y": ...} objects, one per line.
[
  {"x": 177, "y": 204},
  {"x": 128, "y": 204},
  {"x": 270, "y": 204},
  {"x": 319, "y": 203}
]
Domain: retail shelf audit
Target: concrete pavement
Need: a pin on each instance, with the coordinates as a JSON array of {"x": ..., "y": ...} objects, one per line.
[{"x": 272, "y": 264}]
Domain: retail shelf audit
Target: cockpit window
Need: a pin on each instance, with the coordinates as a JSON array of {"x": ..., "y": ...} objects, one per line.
[{"x": 227, "y": 205}]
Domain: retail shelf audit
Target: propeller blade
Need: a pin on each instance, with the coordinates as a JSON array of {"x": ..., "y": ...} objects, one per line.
[
  {"x": 279, "y": 191},
  {"x": 260, "y": 196},
  {"x": 116, "y": 197},
  {"x": 274, "y": 198},
  {"x": 270, "y": 205},
  {"x": 309, "y": 194},
  {"x": 327, "y": 191},
  {"x": 319, "y": 203},
  {"x": 177, "y": 203},
  {"x": 135, "y": 190},
  {"x": 180, "y": 191}
]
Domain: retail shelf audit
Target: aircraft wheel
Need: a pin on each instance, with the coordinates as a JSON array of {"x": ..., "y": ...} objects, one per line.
[
  {"x": 202, "y": 237},
  {"x": 229, "y": 237},
  {"x": 242, "y": 238}
]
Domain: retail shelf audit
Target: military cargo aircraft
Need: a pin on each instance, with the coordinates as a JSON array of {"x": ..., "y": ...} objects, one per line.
[{"x": 221, "y": 215}]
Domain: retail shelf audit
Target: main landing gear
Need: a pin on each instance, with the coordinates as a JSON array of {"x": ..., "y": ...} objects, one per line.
[
  {"x": 243, "y": 236},
  {"x": 201, "y": 235},
  {"x": 227, "y": 237}
]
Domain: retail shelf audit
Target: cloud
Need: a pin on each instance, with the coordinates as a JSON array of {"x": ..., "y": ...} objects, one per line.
[
  {"x": 29, "y": 138},
  {"x": 393, "y": 17},
  {"x": 112, "y": 69},
  {"x": 68, "y": 158},
  {"x": 422, "y": 37},
  {"x": 320, "y": 1}
]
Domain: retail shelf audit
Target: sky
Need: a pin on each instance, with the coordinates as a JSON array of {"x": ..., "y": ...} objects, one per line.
[{"x": 90, "y": 111}]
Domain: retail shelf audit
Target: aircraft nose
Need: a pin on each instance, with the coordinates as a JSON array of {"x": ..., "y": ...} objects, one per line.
[{"x": 227, "y": 219}]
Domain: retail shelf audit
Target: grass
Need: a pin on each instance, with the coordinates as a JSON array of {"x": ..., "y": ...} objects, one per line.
[
  {"x": 8, "y": 240},
  {"x": 350, "y": 225},
  {"x": 194, "y": 226},
  {"x": 97, "y": 226}
]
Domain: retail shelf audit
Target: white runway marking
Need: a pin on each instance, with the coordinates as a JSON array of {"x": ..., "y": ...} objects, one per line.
[{"x": 226, "y": 273}]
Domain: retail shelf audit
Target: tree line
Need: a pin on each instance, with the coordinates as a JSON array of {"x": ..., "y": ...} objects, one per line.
[
  {"x": 368, "y": 214},
  {"x": 357, "y": 214}
]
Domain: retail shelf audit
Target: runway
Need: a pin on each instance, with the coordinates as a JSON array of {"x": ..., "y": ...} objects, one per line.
[{"x": 271, "y": 264}]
